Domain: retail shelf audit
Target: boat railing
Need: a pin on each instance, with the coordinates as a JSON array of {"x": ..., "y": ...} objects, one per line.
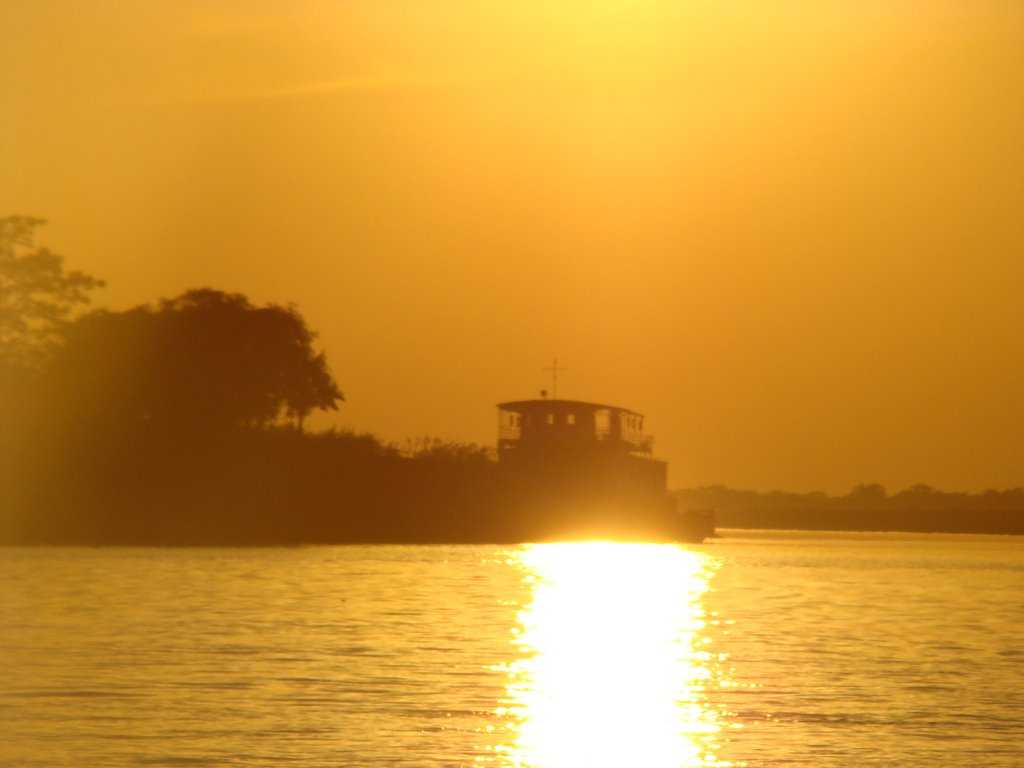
[
  {"x": 509, "y": 432},
  {"x": 636, "y": 442}
]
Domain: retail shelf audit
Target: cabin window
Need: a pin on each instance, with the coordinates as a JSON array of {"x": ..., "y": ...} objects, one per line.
[
  {"x": 570, "y": 418},
  {"x": 551, "y": 418}
]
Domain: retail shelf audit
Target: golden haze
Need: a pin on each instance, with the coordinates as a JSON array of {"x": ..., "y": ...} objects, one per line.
[{"x": 790, "y": 234}]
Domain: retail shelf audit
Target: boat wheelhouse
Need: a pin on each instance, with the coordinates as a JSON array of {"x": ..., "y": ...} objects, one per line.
[
  {"x": 572, "y": 454},
  {"x": 581, "y": 468},
  {"x": 541, "y": 425}
]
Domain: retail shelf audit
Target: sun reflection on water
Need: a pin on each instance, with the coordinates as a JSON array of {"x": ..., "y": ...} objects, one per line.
[{"x": 614, "y": 664}]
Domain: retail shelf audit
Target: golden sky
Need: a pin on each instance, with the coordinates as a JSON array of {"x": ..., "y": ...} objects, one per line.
[{"x": 791, "y": 233}]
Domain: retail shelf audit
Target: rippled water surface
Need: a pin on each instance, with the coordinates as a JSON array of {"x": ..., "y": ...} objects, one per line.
[{"x": 755, "y": 649}]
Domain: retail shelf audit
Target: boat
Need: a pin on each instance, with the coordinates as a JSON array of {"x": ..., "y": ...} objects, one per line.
[{"x": 580, "y": 469}]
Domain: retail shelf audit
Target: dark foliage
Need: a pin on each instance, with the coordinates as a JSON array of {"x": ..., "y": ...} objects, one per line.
[
  {"x": 181, "y": 424},
  {"x": 203, "y": 362},
  {"x": 36, "y": 294},
  {"x": 254, "y": 487}
]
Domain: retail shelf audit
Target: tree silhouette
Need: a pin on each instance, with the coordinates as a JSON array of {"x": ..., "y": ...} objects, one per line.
[
  {"x": 203, "y": 361},
  {"x": 36, "y": 294},
  {"x": 867, "y": 495}
]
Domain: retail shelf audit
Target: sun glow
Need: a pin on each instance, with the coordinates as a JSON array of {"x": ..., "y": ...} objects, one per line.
[{"x": 614, "y": 666}]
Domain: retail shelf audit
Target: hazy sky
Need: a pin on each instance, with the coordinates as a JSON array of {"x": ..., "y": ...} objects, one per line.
[{"x": 791, "y": 233}]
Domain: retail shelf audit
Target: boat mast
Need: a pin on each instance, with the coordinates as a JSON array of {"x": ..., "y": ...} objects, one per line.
[{"x": 555, "y": 369}]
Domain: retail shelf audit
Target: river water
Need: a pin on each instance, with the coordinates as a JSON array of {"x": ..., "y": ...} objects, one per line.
[{"x": 757, "y": 649}]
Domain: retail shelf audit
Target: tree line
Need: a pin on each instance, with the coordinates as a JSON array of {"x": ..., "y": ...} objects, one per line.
[
  {"x": 183, "y": 422},
  {"x": 867, "y": 507}
]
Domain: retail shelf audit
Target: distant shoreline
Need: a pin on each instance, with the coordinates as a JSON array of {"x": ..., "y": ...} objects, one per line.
[
  {"x": 873, "y": 521},
  {"x": 729, "y": 532},
  {"x": 866, "y": 508}
]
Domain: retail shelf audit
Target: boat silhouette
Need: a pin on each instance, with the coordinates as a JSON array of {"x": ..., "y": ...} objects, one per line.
[{"x": 587, "y": 470}]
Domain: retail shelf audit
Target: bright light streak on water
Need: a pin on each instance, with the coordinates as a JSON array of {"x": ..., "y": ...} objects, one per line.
[{"x": 615, "y": 664}]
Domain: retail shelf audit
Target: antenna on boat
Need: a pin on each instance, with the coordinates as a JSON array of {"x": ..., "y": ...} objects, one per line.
[{"x": 554, "y": 369}]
